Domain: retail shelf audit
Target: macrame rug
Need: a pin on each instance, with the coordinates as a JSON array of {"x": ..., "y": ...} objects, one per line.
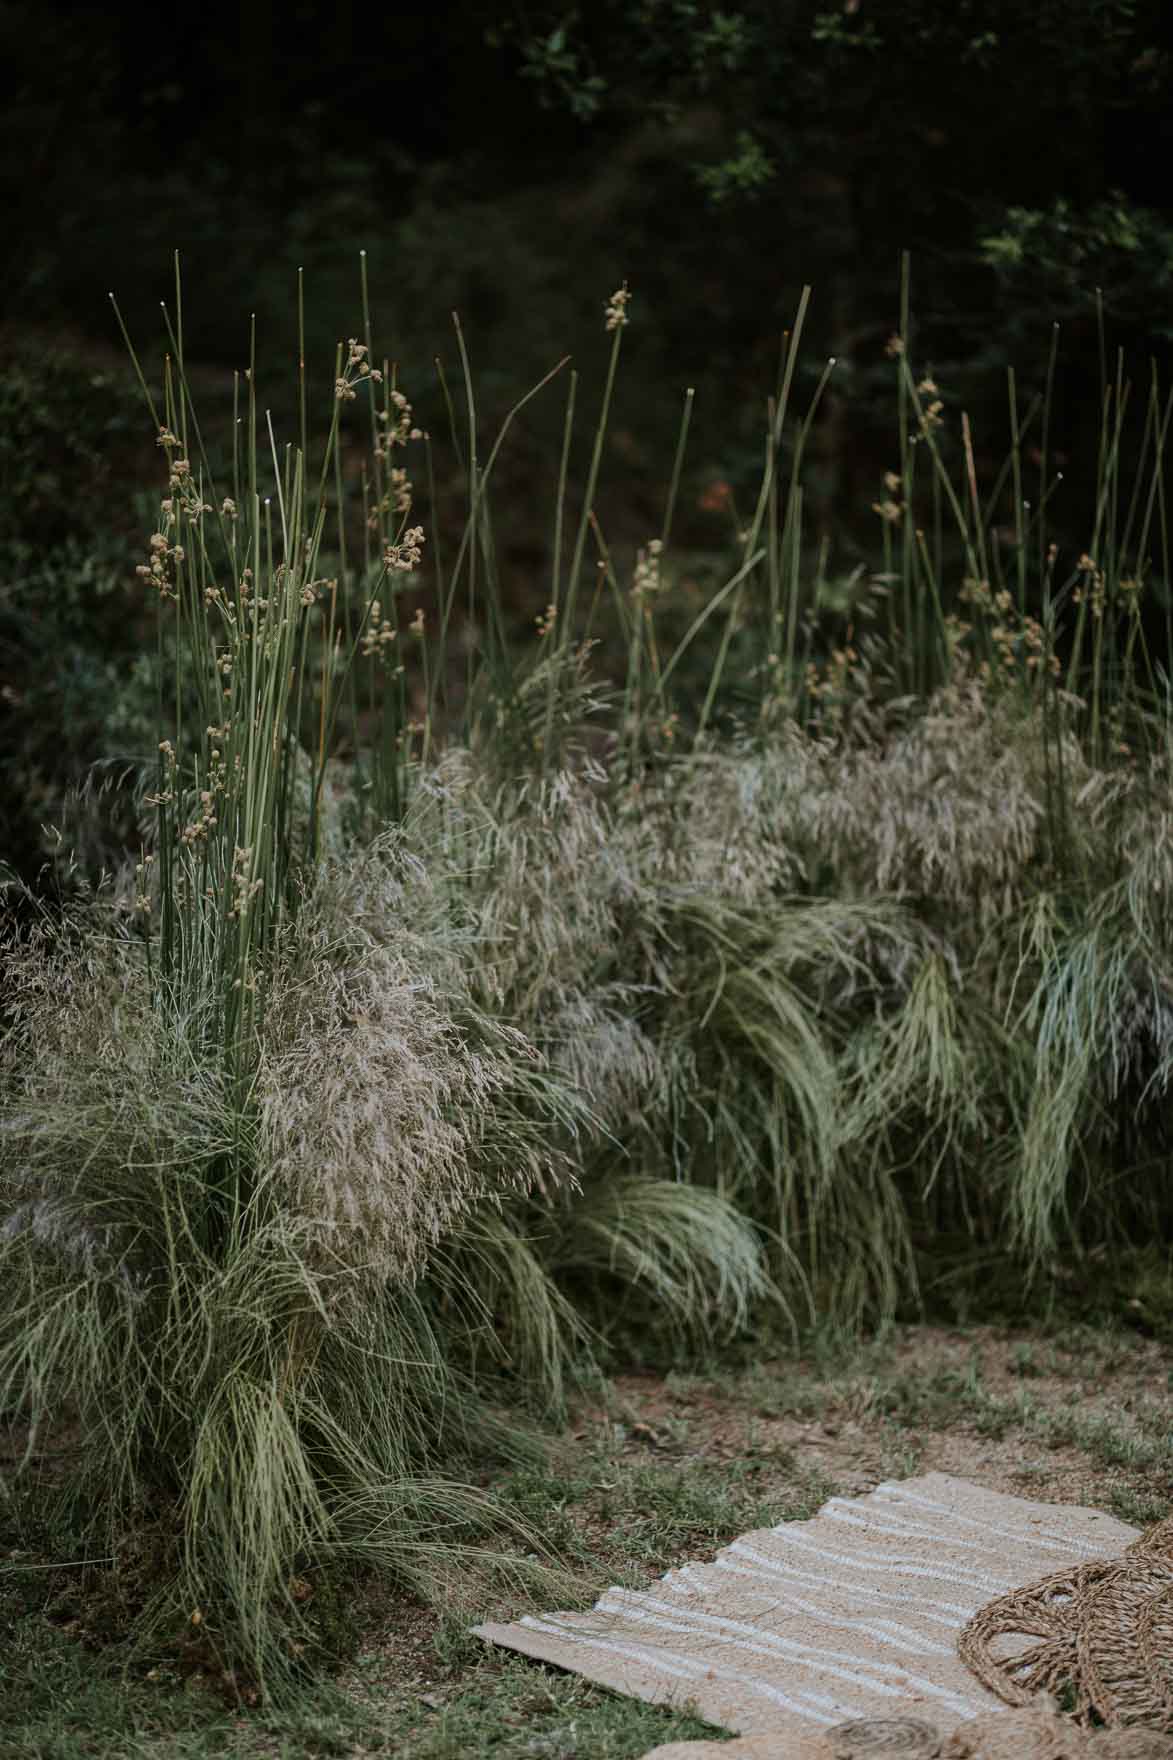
[
  {"x": 1102, "y": 1631},
  {"x": 1036, "y": 1732},
  {"x": 853, "y": 1615}
]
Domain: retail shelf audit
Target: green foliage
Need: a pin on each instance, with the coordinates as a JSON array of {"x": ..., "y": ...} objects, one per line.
[
  {"x": 975, "y": 116},
  {"x": 675, "y": 1249},
  {"x": 433, "y": 1038},
  {"x": 278, "y": 1425},
  {"x": 66, "y": 428},
  {"x": 1059, "y": 254},
  {"x": 75, "y": 685},
  {"x": 777, "y": 66},
  {"x": 746, "y": 173},
  {"x": 550, "y": 63}
]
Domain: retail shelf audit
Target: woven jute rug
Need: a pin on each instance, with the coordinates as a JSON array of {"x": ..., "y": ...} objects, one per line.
[{"x": 853, "y": 1615}]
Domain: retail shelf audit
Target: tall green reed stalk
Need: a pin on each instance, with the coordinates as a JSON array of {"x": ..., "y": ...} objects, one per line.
[{"x": 264, "y": 1286}]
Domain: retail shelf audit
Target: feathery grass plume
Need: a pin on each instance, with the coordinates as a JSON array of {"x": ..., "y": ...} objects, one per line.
[
  {"x": 378, "y": 1106},
  {"x": 388, "y": 905},
  {"x": 550, "y": 899},
  {"x": 756, "y": 987},
  {"x": 553, "y": 700},
  {"x": 292, "y": 1400},
  {"x": 103, "y": 1093},
  {"x": 540, "y": 891},
  {"x": 706, "y": 1060},
  {"x": 949, "y": 809},
  {"x": 532, "y": 870},
  {"x": 529, "y": 895},
  {"x": 721, "y": 816},
  {"x": 599, "y": 1044}
]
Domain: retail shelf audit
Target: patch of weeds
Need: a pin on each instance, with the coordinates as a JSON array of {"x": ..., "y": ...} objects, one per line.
[
  {"x": 777, "y": 1454},
  {"x": 67, "y": 1614},
  {"x": 655, "y": 1515},
  {"x": 684, "y": 1389},
  {"x": 1093, "y": 1354},
  {"x": 773, "y": 1392},
  {"x": 1094, "y": 1351},
  {"x": 1154, "y": 1421},
  {"x": 453, "y": 1644},
  {"x": 1024, "y": 1362},
  {"x": 539, "y": 1490},
  {"x": 947, "y": 1398},
  {"x": 60, "y": 1702},
  {"x": 1140, "y": 1508},
  {"x": 673, "y": 1434},
  {"x": 55, "y": 1575},
  {"x": 1032, "y": 1473},
  {"x": 1059, "y": 1430},
  {"x": 901, "y": 1453},
  {"x": 936, "y": 1401},
  {"x": 334, "y": 1617},
  {"x": 650, "y": 1512},
  {"x": 75, "y": 1688},
  {"x": 1111, "y": 1445},
  {"x": 994, "y": 1418},
  {"x": 545, "y": 1498},
  {"x": 327, "y": 1724}
]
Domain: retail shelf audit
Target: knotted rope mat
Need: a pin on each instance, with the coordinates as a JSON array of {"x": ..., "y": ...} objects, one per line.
[
  {"x": 1104, "y": 1632},
  {"x": 1031, "y": 1732}
]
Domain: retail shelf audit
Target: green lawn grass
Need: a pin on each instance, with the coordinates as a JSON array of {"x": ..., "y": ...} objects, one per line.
[{"x": 653, "y": 1470}]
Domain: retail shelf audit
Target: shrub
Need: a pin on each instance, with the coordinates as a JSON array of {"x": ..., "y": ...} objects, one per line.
[{"x": 457, "y": 1010}]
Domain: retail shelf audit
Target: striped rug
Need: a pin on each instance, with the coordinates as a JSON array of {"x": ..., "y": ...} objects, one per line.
[{"x": 854, "y": 1613}]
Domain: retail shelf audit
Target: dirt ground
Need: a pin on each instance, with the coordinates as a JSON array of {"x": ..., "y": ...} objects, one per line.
[
  {"x": 1081, "y": 1419},
  {"x": 660, "y": 1469}
]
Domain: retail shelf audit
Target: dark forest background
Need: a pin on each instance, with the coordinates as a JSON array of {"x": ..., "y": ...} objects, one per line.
[{"x": 515, "y": 163}]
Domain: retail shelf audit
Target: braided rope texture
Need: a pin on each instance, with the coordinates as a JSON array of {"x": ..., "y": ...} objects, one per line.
[
  {"x": 1102, "y": 1632},
  {"x": 1031, "y": 1732}
]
